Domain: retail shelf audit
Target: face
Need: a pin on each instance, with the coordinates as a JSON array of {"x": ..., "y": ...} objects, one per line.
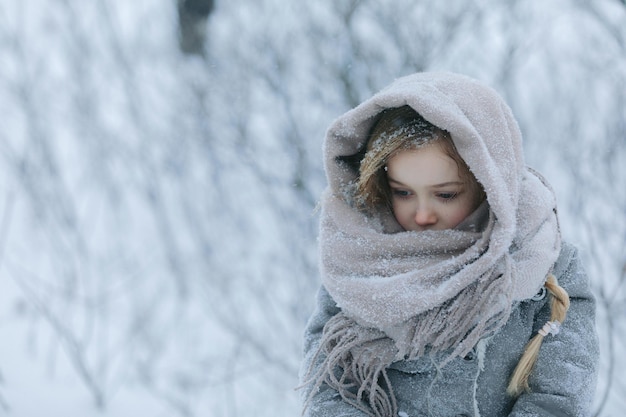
[{"x": 427, "y": 191}]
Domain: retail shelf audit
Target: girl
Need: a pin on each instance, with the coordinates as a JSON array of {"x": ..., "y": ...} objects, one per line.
[{"x": 438, "y": 247}]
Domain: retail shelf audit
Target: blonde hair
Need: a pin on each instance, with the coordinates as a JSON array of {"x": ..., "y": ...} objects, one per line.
[
  {"x": 398, "y": 129},
  {"x": 558, "y": 311}
]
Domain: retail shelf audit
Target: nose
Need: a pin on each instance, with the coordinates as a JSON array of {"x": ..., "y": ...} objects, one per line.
[{"x": 425, "y": 216}]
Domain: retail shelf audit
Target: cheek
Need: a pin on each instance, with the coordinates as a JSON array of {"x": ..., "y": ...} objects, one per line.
[
  {"x": 457, "y": 217},
  {"x": 459, "y": 212},
  {"x": 400, "y": 211},
  {"x": 404, "y": 214}
]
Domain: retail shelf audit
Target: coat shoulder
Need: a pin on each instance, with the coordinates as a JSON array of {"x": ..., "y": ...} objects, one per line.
[{"x": 570, "y": 272}]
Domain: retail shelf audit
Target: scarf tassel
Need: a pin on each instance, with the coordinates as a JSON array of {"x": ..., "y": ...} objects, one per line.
[{"x": 355, "y": 365}]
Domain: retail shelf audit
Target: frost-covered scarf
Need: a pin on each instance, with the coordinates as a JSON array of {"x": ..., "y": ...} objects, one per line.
[{"x": 403, "y": 294}]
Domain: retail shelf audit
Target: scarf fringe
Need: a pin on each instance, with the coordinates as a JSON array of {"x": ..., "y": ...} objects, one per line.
[{"x": 355, "y": 364}]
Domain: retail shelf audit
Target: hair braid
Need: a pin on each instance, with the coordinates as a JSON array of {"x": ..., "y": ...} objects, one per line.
[{"x": 559, "y": 305}]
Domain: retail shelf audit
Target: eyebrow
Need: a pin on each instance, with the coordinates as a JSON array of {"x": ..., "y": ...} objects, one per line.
[{"x": 443, "y": 184}]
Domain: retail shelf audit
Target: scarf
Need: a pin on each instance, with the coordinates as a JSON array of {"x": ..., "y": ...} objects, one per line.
[{"x": 405, "y": 294}]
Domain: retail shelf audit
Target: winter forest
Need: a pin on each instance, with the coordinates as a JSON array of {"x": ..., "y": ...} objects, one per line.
[{"x": 160, "y": 166}]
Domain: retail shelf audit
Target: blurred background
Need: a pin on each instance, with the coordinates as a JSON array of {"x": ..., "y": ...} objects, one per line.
[{"x": 160, "y": 164}]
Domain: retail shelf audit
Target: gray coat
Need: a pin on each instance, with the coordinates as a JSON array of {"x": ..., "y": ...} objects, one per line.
[{"x": 562, "y": 382}]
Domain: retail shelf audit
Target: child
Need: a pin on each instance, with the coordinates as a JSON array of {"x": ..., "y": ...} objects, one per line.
[{"x": 438, "y": 247}]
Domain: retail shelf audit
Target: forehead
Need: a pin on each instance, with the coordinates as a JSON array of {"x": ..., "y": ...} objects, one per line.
[{"x": 426, "y": 163}]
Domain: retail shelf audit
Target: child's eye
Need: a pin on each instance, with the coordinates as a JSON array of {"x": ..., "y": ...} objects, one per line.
[
  {"x": 447, "y": 196},
  {"x": 400, "y": 193}
]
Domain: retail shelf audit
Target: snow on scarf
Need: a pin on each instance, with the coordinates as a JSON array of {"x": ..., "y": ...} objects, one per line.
[{"x": 403, "y": 294}]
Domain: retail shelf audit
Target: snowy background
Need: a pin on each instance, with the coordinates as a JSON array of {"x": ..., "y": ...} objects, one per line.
[{"x": 159, "y": 173}]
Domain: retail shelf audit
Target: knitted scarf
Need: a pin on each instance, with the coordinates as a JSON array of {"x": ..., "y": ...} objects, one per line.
[{"x": 405, "y": 294}]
